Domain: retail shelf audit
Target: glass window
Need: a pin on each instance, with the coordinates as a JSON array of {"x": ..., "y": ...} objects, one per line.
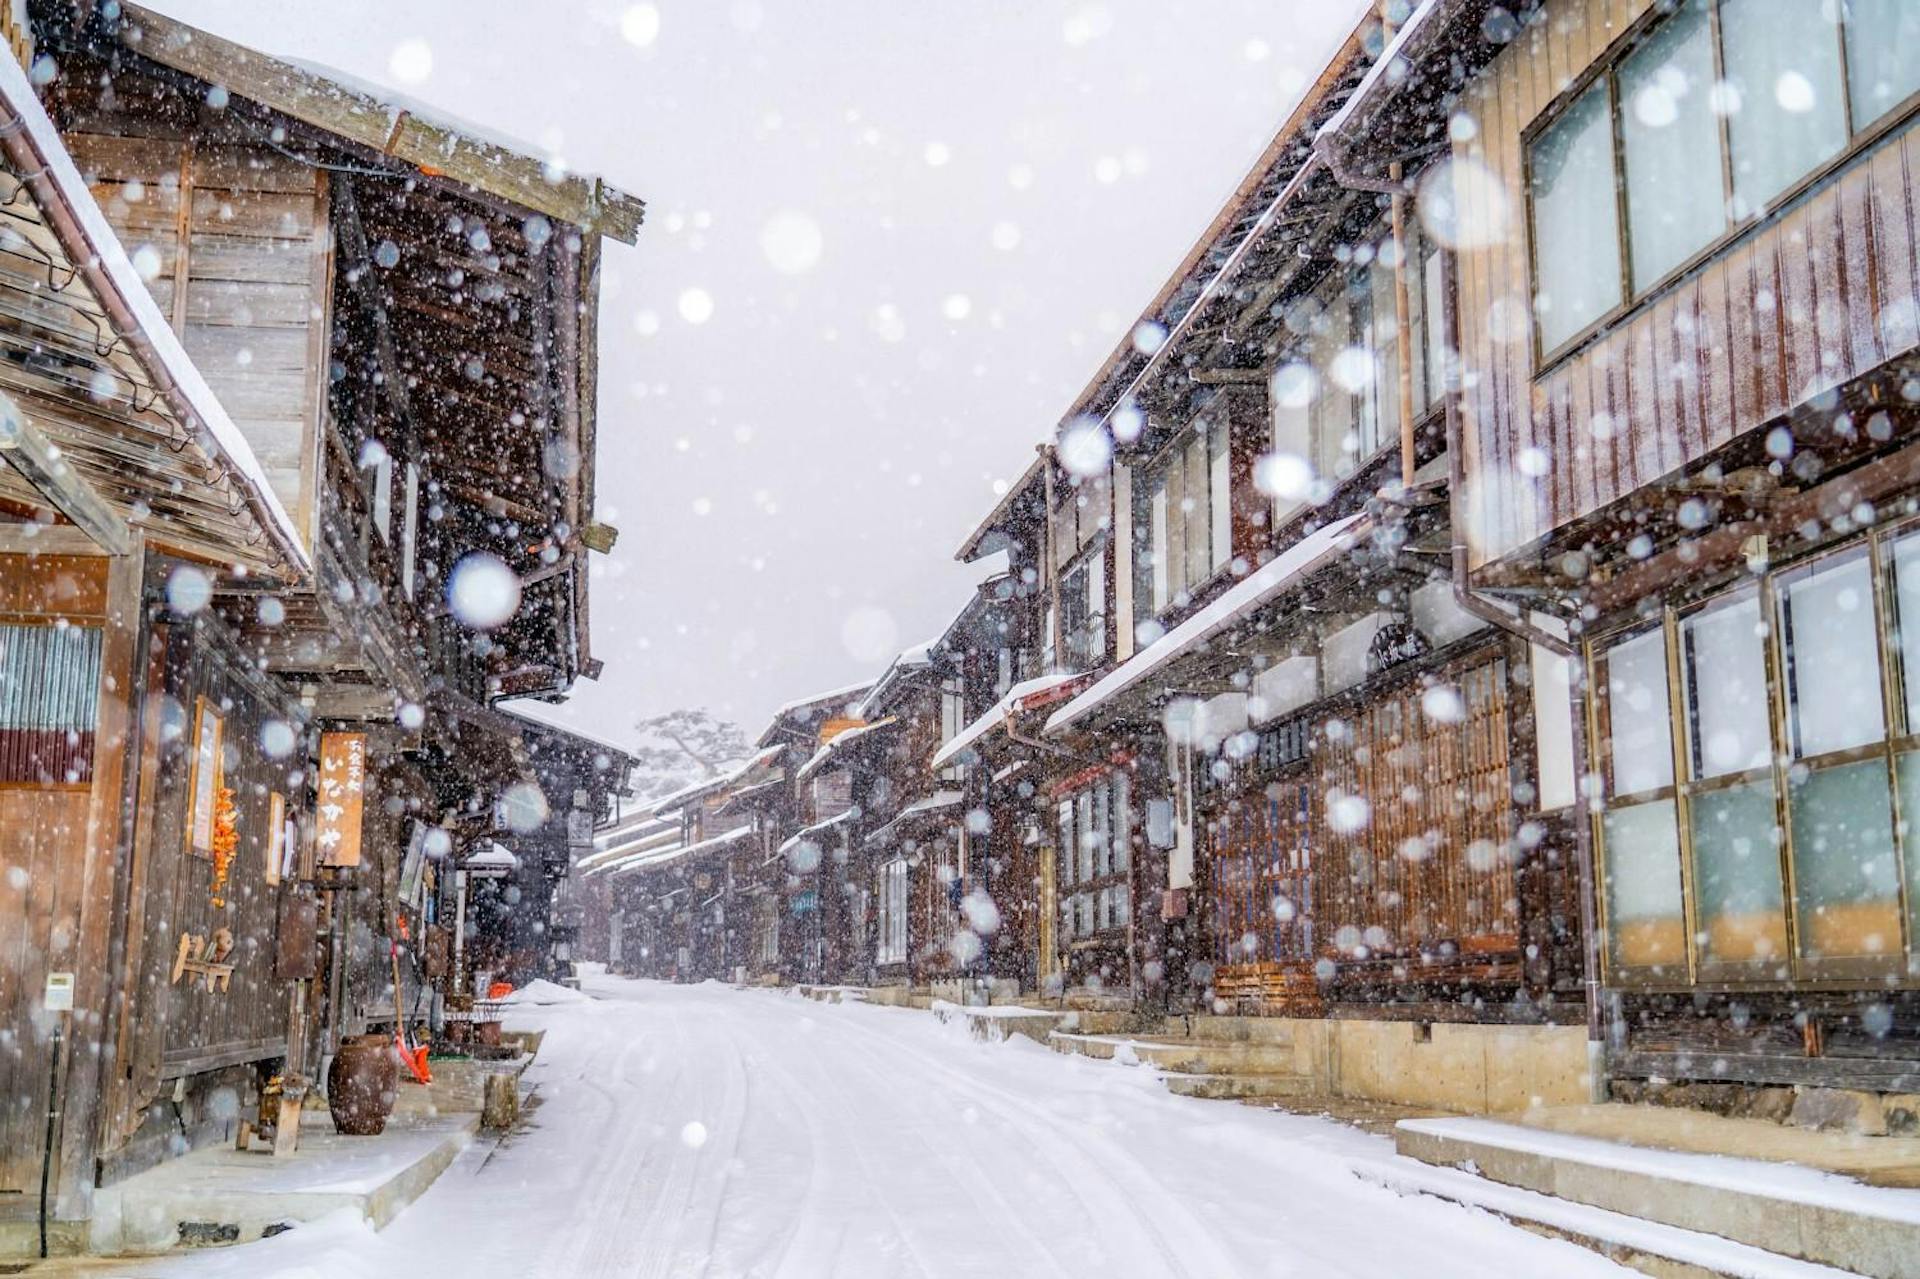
[
  {"x": 1196, "y": 517},
  {"x": 1832, "y": 652},
  {"x": 1782, "y": 61},
  {"x": 1736, "y": 863},
  {"x": 1575, "y": 219},
  {"x": 1670, "y": 142},
  {"x": 1846, "y": 876},
  {"x": 1906, "y": 597},
  {"x": 1638, "y": 726},
  {"x": 1883, "y": 67},
  {"x": 1723, "y": 661},
  {"x": 1219, "y": 497},
  {"x": 1646, "y": 917}
]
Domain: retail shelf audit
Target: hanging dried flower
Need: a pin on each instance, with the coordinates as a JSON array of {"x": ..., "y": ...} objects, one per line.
[{"x": 226, "y": 840}]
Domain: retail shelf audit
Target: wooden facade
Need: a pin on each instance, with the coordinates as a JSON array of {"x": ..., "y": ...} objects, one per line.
[
  {"x": 1768, "y": 318},
  {"x": 208, "y": 558}
]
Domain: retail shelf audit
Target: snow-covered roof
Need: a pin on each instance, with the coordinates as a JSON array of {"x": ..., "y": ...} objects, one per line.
[
  {"x": 651, "y": 841},
  {"x": 153, "y": 336},
  {"x": 491, "y": 862},
  {"x": 706, "y": 786},
  {"x": 915, "y": 658},
  {"x": 802, "y": 703},
  {"x": 818, "y": 828},
  {"x": 939, "y": 801},
  {"x": 736, "y": 800},
  {"x": 652, "y": 859},
  {"x": 375, "y": 117},
  {"x": 837, "y": 743},
  {"x": 1022, "y": 696},
  {"x": 633, "y": 827},
  {"x": 1269, "y": 580},
  {"x": 1409, "y": 31}
]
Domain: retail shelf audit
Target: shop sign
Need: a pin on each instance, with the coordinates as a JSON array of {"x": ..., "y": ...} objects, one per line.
[
  {"x": 343, "y": 785},
  {"x": 1394, "y": 643}
]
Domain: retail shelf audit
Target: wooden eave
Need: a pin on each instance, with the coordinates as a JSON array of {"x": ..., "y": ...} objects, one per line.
[
  {"x": 391, "y": 128},
  {"x": 1024, "y": 492},
  {"x": 86, "y": 380},
  {"x": 1401, "y": 106}
]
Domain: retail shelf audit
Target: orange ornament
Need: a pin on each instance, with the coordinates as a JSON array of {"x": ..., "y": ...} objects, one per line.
[{"x": 226, "y": 839}]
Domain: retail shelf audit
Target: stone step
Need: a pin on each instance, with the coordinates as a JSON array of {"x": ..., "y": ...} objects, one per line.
[
  {"x": 1783, "y": 1208},
  {"x": 1189, "y": 1055},
  {"x": 1241, "y": 1087},
  {"x": 220, "y": 1196},
  {"x": 1666, "y": 1252}
]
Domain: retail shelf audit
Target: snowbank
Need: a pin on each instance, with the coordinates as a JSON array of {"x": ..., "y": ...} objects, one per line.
[{"x": 541, "y": 991}]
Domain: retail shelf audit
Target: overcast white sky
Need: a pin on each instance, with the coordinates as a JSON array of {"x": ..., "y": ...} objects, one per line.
[{"x": 998, "y": 188}]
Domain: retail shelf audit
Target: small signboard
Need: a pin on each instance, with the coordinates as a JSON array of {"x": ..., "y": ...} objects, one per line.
[
  {"x": 343, "y": 787},
  {"x": 59, "y": 996},
  {"x": 276, "y": 836},
  {"x": 204, "y": 786}
]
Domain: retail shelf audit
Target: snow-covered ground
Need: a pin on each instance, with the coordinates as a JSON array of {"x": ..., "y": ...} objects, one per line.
[{"x": 708, "y": 1131}]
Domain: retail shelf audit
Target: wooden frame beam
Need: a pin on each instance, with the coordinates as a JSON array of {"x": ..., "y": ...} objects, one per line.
[{"x": 37, "y": 458}]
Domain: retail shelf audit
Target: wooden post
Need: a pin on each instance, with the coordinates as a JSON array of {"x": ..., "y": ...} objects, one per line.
[{"x": 107, "y": 833}]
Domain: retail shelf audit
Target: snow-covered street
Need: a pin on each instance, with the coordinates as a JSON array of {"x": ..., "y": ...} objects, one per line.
[{"x": 708, "y": 1131}]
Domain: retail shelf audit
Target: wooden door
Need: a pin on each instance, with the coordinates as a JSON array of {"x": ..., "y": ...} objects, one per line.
[
  {"x": 1260, "y": 865},
  {"x": 1049, "y": 922}
]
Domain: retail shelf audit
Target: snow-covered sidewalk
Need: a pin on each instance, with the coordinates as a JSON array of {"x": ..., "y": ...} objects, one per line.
[{"x": 709, "y": 1131}]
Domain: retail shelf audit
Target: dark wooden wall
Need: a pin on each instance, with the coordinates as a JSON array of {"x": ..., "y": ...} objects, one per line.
[{"x": 174, "y": 1029}]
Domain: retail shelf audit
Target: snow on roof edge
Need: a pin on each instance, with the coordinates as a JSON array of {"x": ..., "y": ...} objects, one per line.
[
  {"x": 1269, "y": 579},
  {"x": 998, "y": 712}
]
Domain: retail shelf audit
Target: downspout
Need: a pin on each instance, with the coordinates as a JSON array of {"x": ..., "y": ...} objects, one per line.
[
  {"x": 1058, "y": 636},
  {"x": 1464, "y": 595},
  {"x": 1514, "y": 622}
]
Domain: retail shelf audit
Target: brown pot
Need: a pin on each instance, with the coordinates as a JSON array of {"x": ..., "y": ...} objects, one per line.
[{"x": 361, "y": 1085}]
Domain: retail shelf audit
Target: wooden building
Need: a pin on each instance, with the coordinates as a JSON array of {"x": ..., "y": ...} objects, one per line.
[
  {"x": 913, "y": 823},
  {"x": 125, "y": 488},
  {"x": 1695, "y": 450},
  {"x": 305, "y": 359}
]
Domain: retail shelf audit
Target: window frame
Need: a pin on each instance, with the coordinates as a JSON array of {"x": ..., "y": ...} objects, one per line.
[
  {"x": 1901, "y": 962},
  {"x": 1089, "y": 894},
  {"x": 1158, "y": 555},
  {"x": 1861, "y": 137}
]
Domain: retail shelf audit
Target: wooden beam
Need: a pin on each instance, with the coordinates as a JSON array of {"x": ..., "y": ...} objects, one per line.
[
  {"x": 1227, "y": 377},
  {"x": 39, "y": 460}
]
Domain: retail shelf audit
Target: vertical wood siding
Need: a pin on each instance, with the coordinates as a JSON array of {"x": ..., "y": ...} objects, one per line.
[
  {"x": 43, "y": 828},
  {"x": 1809, "y": 300},
  {"x": 233, "y": 240}
]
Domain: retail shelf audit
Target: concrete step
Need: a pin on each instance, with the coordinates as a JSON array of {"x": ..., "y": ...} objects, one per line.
[
  {"x": 220, "y": 1196},
  {"x": 1666, "y": 1252},
  {"x": 996, "y": 1023},
  {"x": 1190, "y": 1055},
  {"x": 1241, "y": 1087},
  {"x": 1792, "y": 1210}
]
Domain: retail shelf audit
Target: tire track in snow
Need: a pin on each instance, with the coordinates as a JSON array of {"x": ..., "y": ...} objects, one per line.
[
  {"x": 971, "y": 1177},
  {"x": 1131, "y": 1192}
]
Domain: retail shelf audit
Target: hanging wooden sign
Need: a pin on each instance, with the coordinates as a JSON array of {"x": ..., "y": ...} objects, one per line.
[
  {"x": 276, "y": 835},
  {"x": 343, "y": 785}
]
